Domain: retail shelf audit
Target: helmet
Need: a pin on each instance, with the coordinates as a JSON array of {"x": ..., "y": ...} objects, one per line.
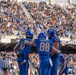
[
  {"x": 42, "y": 35},
  {"x": 51, "y": 32},
  {"x": 29, "y": 34}
]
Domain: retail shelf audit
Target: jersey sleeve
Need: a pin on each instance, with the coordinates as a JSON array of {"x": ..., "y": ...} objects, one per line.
[
  {"x": 56, "y": 39},
  {"x": 51, "y": 44},
  {"x": 22, "y": 39}
]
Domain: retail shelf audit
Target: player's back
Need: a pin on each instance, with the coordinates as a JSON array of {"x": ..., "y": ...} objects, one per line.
[
  {"x": 25, "y": 48},
  {"x": 43, "y": 48}
]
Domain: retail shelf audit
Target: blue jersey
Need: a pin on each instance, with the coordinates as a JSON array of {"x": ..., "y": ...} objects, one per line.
[
  {"x": 23, "y": 56},
  {"x": 43, "y": 48},
  {"x": 54, "y": 39},
  {"x": 24, "y": 49},
  {"x": 62, "y": 60}
]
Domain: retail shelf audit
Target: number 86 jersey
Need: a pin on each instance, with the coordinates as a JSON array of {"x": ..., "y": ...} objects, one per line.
[{"x": 43, "y": 48}]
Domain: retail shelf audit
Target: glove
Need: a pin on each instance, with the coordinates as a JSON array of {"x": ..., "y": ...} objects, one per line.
[{"x": 22, "y": 63}]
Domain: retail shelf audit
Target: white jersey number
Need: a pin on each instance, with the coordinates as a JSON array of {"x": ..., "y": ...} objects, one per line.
[{"x": 44, "y": 46}]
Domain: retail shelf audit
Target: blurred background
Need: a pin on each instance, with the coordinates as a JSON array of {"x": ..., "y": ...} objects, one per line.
[{"x": 17, "y": 16}]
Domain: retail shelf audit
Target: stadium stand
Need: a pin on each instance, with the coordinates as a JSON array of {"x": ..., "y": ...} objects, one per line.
[
  {"x": 60, "y": 18},
  {"x": 14, "y": 22}
]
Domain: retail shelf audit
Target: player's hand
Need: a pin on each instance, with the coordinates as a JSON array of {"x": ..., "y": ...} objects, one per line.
[
  {"x": 22, "y": 63},
  {"x": 60, "y": 73}
]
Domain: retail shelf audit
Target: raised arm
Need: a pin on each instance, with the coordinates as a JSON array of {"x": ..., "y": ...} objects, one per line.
[
  {"x": 30, "y": 43},
  {"x": 16, "y": 47}
]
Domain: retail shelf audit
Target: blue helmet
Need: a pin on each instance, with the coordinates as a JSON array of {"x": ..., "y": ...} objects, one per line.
[
  {"x": 29, "y": 34},
  {"x": 42, "y": 35},
  {"x": 51, "y": 32}
]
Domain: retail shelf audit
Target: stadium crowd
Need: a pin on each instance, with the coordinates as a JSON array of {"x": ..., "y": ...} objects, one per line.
[
  {"x": 8, "y": 64},
  {"x": 62, "y": 19},
  {"x": 71, "y": 59},
  {"x": 13, "y": 21}
]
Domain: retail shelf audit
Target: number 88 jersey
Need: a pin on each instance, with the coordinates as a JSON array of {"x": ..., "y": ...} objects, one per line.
[{"x": 43, "y": 48}]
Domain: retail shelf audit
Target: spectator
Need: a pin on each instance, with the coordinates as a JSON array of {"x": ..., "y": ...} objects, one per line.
[{"x": 5, "y": 65}]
